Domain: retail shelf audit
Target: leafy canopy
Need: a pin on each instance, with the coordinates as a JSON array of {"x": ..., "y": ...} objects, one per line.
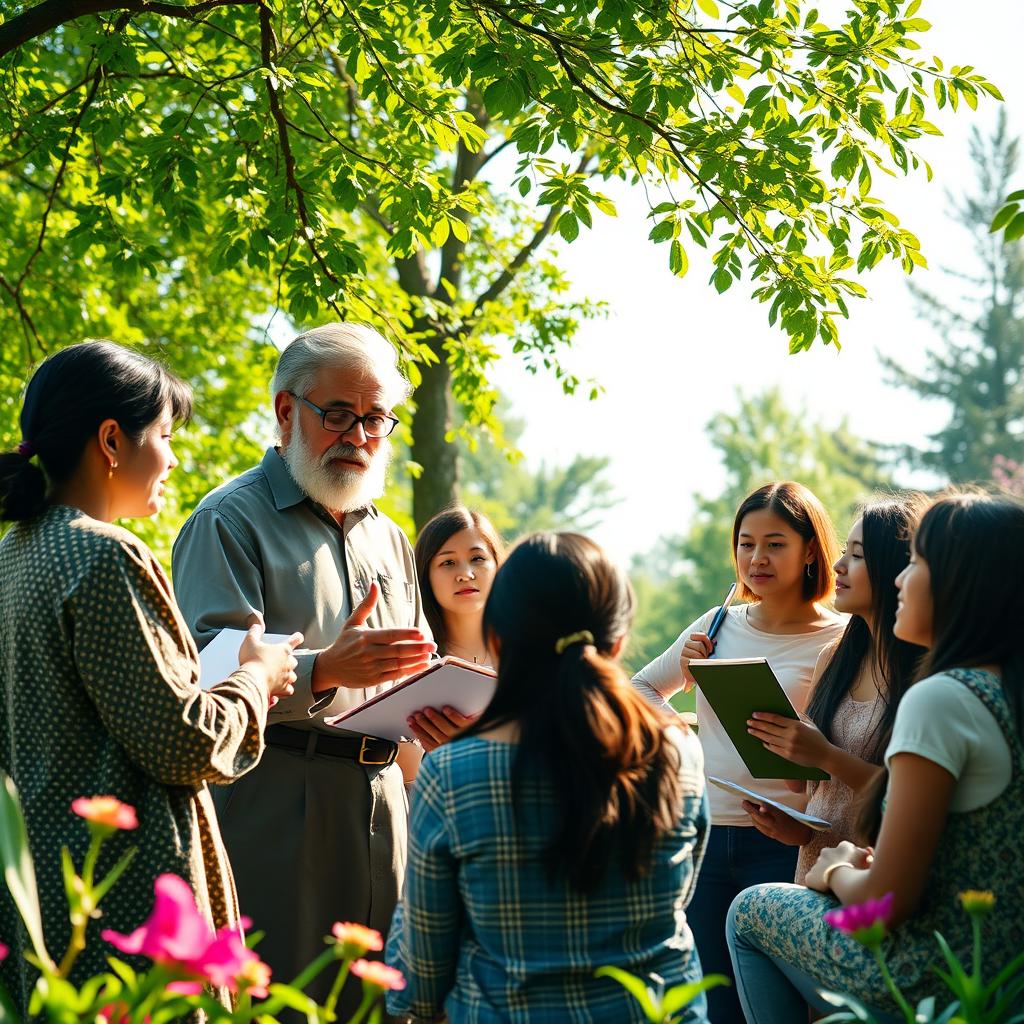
[{"x": 257, "y": 132}]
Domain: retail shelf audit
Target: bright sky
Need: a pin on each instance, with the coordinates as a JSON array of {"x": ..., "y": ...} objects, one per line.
[{"x": 677, "y": 350}]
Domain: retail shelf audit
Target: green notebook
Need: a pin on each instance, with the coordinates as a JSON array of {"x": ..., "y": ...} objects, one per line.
[{"x": 736, "y": 688}]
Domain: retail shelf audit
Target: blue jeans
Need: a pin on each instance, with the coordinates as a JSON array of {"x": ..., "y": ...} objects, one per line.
[
  {"x": 736, "y": 857},
  {"x": 772, "y": 991}
]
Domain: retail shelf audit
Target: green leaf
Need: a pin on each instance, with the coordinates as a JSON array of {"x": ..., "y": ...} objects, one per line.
[
  {"x": 635, "y": 987},
  {"x": 569, "y": 226},
  {"x": 19, "y": 874},
  {"x": 1003, "y": 217},
  {"x": 682, "y": 995},
  {"x": 677, "y": 260},
  {"x": 663, "y": 230},
  {"x": 1015, "y": 229}
]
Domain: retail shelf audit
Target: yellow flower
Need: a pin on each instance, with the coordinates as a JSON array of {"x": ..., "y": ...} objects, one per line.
[{"x": 976, "y": 901}]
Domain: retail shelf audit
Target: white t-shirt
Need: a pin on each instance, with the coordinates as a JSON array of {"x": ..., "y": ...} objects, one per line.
[
  {"x": 792, "y": 658},
  {"x": 941, "y": 720}
]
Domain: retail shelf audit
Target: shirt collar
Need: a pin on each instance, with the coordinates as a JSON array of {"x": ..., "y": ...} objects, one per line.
[{"x": 287, "y": 493}]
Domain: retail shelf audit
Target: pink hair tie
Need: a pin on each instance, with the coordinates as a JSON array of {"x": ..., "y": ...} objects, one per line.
[{"x": 26, "y": 449}]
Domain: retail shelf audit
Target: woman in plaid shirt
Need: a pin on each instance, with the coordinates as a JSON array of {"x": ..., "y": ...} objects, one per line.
[{"x": 563, "y": 830}]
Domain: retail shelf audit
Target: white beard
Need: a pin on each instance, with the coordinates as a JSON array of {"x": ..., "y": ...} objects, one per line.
[{"x": 337, "y": 488}]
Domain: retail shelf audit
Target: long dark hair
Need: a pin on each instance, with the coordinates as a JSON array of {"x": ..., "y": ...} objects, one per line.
[
  {"x": 615, "y": 774},
  {"x": 434, "y": 534},
  {"x": 973, "y": 544},
  {"x": 68, "y": 397},
  {"x": 887, "y": 525},
  {"x": 800, "y": 508}
]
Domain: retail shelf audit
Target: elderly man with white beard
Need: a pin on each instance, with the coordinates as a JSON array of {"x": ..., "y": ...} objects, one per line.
[{"x": 316, "y": 832}]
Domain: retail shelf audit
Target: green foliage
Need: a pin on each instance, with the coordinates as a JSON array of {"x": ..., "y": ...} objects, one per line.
[
  {"x": 763, "y": 440},
  {"x": 281, "y": 137},
  {"x": 978, "y": 372},
  {"x": 177, "y": 940},
  {"x": 657, "y": 1006}
]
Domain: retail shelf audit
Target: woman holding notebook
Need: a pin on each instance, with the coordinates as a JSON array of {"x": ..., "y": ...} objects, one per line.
[
  {"x": 98, "y": 674},
  {"x": 858, "y": 685},
  {"x": 784, "y": 546},
  {"x": 953, "y": 817},
  {"x": 457, "y": 554}
]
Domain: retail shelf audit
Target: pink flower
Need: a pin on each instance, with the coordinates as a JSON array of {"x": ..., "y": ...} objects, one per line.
[
  {"x": 357, "y": 937},
  {"x": 175, "y": 933},
  {"x": 178, "y": 937},
  {"x": 107, "y": 811},
  {"x": 255, "y": 977},
  {"x": 864, "y": 922},
  {"x": 373, "y": 972},
  {"x": 3, "y": 952}
]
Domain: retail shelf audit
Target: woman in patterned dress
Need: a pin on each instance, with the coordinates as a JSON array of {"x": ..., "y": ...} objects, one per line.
[
  {"x": 562, "y": 831},
  {"x": 954, "y": 806},
  {"x": 858, "y": 684},
  {"x": 99, "y": 689}
]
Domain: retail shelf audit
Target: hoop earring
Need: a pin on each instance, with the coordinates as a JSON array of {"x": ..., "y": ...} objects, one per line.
[{"x": 807, "y": 567}]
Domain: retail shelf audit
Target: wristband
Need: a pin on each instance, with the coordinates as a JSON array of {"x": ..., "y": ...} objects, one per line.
[{"x": 827, "y": 873}]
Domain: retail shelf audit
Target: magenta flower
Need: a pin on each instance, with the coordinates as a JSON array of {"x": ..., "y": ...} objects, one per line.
[
  {"x": 3, "y": 952},
  {"x": 864, "y": 922},
  {"x": 178, "y": 937},
  {"x": 175, "y": 934}
]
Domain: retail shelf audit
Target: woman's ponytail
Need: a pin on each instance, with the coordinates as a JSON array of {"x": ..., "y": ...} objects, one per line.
[
  {"x": 22, "y": 485},
  {"x": 557, "y": 611}
]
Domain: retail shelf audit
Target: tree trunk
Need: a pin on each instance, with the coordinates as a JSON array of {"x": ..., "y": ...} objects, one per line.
[{"x": 437, "y": 485}]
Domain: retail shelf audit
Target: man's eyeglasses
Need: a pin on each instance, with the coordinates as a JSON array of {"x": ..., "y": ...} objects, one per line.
[{"x": 341, "y": 421}]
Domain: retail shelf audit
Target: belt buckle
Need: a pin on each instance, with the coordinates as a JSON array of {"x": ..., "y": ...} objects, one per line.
[{"x": 363, "y": 759}]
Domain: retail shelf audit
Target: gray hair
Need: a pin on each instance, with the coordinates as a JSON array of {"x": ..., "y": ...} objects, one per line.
[{"x": 346, "y": 346}]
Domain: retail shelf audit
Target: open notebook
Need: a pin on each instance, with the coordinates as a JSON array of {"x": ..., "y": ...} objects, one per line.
[{"x": 449, "y": 682}]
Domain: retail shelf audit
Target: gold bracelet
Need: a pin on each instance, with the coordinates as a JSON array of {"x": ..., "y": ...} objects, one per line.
[{"x": 827, "y": 873}]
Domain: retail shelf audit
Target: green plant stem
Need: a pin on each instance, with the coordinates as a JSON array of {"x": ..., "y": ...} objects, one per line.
[
  {"x": 369, "y": 997},
  {"x": 89, "y": 866},
  {"x": 80, "y": 921},
  {"x": 976, "y": 950},
  {"x": 311, "y": 971},
  {"x": 336, "y": 988},
  {"x": 905, "y": 1008}
]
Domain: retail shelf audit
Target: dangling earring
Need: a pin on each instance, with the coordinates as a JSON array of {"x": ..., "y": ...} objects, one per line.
[
  {"x": 807, "y": 567},
  {"x": 110, "y": 472}
]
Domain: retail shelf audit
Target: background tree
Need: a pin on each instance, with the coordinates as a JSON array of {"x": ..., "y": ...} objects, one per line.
[
  {"x": 763, "y": 440},
  {"x": 978, "y": 371},
  {"x": 341, "y": 157}
]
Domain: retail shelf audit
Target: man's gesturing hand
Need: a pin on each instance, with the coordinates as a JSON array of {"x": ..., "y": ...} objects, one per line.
[{"x": 363, "y": 657}]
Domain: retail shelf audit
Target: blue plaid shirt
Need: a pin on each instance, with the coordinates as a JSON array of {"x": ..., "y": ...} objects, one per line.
[{"x": 484, "y": 935}]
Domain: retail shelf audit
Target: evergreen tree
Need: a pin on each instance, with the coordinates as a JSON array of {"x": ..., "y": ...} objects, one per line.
[{"x": 979, "y": 369}]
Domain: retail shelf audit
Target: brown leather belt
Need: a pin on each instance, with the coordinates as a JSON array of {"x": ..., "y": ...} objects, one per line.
[{"x": 366, "y": 750}]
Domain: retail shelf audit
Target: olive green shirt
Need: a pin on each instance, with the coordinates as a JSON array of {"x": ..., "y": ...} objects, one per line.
[{"x": 259, "y": 543}]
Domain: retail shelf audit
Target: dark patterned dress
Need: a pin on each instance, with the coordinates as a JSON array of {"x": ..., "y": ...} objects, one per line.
[
  {"x": 98, "y": 696},
  {"x": 978, "y": 849}
]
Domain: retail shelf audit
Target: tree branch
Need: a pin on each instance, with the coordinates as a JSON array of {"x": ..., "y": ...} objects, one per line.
[
  {"x": 51, "y": 14},
  {"x": 507, "y": 276},
  {"x": 267, "y": 50}
]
